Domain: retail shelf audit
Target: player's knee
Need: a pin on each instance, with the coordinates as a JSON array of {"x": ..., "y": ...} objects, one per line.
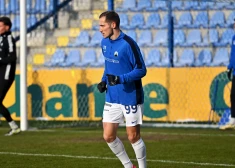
[
  {"x": 109, "y": 138},
  {"x": 133, "y": 138}
]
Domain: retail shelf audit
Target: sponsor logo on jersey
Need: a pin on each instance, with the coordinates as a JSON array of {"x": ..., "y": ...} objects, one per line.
[{"x": 111, "y": 60}]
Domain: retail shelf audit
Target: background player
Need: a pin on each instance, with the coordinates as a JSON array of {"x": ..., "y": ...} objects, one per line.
[{"x": 7, "y": 69}]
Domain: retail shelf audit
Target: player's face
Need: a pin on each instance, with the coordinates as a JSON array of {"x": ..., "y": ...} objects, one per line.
[
  {"x": 3, "y": 28},
  {"x": 105, "y": 28}
]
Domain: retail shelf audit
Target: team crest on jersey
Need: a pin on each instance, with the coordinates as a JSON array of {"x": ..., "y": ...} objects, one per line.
[
  {"x": 115, "y": 53},
  {"x": 104, "y": 48}
]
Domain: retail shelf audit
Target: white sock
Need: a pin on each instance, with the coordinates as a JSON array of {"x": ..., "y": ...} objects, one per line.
[
  {"x": 140, "y": 152},
  {"x": 13, "y": 125},
  {"x": 118, "y": 149}
]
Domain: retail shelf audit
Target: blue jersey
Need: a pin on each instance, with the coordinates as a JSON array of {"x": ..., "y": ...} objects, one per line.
[
  {"x": 124, "y": 59},
  {"x": 232, "y": 56}
]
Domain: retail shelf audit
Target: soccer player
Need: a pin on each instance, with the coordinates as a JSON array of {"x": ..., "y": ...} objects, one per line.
[
  {"x": 7, "y": 69},
  {"x": 231, "y": 76},
  {"x": 124, "y": 68}
]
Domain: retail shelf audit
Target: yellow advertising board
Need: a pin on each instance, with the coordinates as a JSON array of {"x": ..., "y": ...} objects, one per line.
[{"x": 171, "y": 94}]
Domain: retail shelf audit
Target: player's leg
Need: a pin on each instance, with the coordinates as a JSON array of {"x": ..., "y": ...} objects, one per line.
[
  {"x": 4, "y": 87},
  {"x": 115, "y": 144},
  {"x": 138, "y": 145},
  {"x": 133, "y": 115},
  {"x": 231, "y": 123},
  {"x": 232, "y": 98},
  {"x": 112, "y": 116}
]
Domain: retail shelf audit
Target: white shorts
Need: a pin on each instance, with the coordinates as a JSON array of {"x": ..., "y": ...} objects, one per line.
[{"x": 116, "y": 113}]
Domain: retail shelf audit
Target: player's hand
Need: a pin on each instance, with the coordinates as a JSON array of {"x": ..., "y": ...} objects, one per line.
[
  {"x": 113, "y": 80},
  {"x": 102, "y": 86},
  {"x": 229, "y": 72}
]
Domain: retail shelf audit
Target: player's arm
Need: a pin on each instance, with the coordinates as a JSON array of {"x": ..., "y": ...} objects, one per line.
[
  {"x": 11, "y": 51},
  {"x": 102, "y": 85},
  {"x": 232, "y": 59},
  {"x": 232, "y": 55},
  {"x": 139, "y": 70},
  {"x": 104, "y": 76}
]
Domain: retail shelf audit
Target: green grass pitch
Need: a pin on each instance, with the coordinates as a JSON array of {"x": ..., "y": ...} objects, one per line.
[{"x": 85, "y": 148}]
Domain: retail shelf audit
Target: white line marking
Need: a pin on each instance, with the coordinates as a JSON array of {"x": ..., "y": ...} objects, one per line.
[
  {"x": 226, "y": 133},
  {"x": 109, "y": 158},
  {"x": 190, "y": 134}
]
